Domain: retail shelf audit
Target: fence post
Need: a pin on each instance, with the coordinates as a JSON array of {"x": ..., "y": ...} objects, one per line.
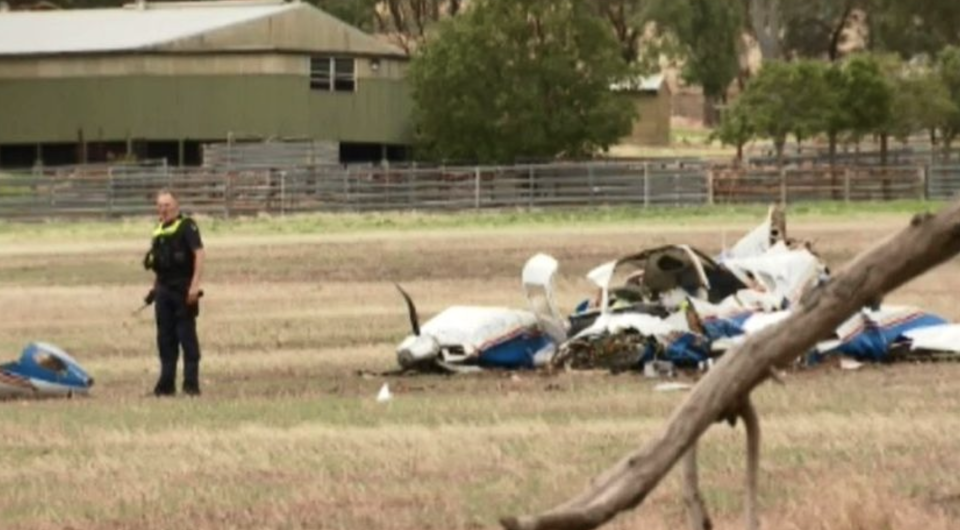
[
  {"x": 646, "y": 185},
  {"x": 476, "y": 188},
  {"x": 922, "y": 177},
  {"x": 283, "y": 194},
  {"x": 530, "y": 187},
  {"x": 109, "y": 192},
  {"x": 345, "y": 175},
  {"x": 846, "y": 185},
  {"x": 386, "y": 199},
  {"x": 710, "y": 186},
  {"x": 410, "y": 182},
  {"x": 783, "y": 186},
  {"x": 590, "y": 181},
  {"x": 676, "y": 187},
  {"x": 227, "y": 194}
]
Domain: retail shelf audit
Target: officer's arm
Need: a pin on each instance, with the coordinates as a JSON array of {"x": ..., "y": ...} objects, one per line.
[{"x": 199, "y": 256}]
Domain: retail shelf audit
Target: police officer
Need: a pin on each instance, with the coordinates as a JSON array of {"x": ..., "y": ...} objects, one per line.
[{"x": 176, "y": 256}]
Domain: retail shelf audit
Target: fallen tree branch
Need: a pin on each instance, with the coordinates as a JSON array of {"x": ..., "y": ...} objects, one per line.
[
  {"x": 927, "y": 242},
  {"x": 698, "y": 517}
]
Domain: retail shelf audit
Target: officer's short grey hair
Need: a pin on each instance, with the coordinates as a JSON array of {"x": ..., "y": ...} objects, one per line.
[{"x": 167, "y": 191}]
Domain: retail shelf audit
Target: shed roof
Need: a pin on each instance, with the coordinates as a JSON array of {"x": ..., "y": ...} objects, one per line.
[
  {"x": 163, "y": 26},
  {"x": 650, "y": 84}
]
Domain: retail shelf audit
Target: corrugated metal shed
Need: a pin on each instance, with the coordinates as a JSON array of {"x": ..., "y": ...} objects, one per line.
[{"x": 175, "y": 27}]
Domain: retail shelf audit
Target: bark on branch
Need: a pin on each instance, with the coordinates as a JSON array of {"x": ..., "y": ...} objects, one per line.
[{"x": 927, "y": 242}]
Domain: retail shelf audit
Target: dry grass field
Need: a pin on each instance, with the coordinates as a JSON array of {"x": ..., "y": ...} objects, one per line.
[{"x": 287, "y": 435}]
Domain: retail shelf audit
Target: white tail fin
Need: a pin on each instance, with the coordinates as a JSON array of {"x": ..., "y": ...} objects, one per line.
[{"x": 538, "y": 286}]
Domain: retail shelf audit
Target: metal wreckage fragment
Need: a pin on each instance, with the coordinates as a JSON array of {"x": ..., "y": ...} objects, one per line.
[
  {"x": 615, "y": 352},
  {"x": 43, "y": 370}
]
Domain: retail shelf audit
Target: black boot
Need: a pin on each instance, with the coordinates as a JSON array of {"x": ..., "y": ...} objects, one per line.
[
  {"x": 167, "y": 383},
  {"x": 191, "y": 379}
]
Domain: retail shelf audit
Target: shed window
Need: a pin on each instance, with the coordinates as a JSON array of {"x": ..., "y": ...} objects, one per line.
[
  {"x": 344, "y": 75},
  {"x": 332, "y": 74},
  {"x": 320, "y": 73}
]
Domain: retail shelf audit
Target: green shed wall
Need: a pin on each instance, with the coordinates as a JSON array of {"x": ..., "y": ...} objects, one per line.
[
  {"x": 651, "y": 125},
  {"x": 200, "y": 107}
]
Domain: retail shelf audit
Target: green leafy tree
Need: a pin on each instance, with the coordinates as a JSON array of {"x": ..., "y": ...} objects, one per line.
[
  {"x": 838, "y": 118},
  {"x": 708, "y": 35},
  {"x": 767, "y": 99},
  {"x": 516, "y": 79},
  {"x": 948, "y": 68},
  {"x": 921, "y": 102},
  {"x": 815, "y": 28},
  {"x": 869, "y": 97},
  {"x": 628, "y": 20},
  {"x": 788, "y": 98},
  {"x": 911, "y": 27},
  {"x": 736, "y": 127},
  {"x": 813, "y": 99}
]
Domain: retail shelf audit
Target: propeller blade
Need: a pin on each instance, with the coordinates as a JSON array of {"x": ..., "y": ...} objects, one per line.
[{"x": 411, "y": 309}]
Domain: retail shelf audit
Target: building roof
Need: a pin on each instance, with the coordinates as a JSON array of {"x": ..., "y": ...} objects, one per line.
[
  {"x": 162, "y": 26},
  {"x": 651, "y": 83}
]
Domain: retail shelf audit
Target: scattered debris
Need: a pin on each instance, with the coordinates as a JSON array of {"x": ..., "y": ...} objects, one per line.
[
  {"x": 384, "y": 395},
  {"x": 43, "y": 370},
  {"x": 667, "y": 308},
  {"x": 672, "y": 387},
  {"x": 850, "y": 364},
  {"x": 659, "y": 369}
]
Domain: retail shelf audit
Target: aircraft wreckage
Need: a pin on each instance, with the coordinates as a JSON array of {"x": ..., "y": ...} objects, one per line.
[
  {"x": 665, "y": 307},
  {"x": 43, "y": 370}
]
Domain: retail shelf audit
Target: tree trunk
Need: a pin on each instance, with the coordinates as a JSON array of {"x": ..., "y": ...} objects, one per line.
[
  {"x": 779, "y": 144},
  {"x": 927, "y": 242},
  {"x": 765, "y": 20},
  {"x": 884, "y": 140},
  {"x": 832, "y": 152},
  {"x": 697, "y": 516},
  {"x": 751, "y": 423},
  {"x": 743, "y": 60},
  {"x": 837, "y": 33},
  {"x": 832, "y": 139},
  {"x": 711, "y": 115}
]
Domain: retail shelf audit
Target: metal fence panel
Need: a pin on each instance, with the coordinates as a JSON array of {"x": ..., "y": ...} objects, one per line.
[
  {"x": 115, "y": 191},
  {"x": 943, "y": 181}
]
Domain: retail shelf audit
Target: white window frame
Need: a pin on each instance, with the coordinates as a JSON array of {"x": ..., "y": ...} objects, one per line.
[{"x": 326, "y": 78}]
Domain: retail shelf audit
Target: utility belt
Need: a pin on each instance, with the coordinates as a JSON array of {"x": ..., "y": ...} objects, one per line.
[
  {"x": 174, "y": 286},
  {"x": 178, "y": 293}
]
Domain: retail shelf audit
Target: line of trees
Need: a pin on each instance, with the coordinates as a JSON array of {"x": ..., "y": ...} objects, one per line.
[
  {"x": 519, "y": 79},
  {"x": 868, "y": 95},
  {"x": 534, "y": 82}
]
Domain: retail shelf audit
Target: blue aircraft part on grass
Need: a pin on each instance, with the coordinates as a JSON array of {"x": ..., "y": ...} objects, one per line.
[
  {"x": 516, "y": 352},
  {"x": 872, "y": 342},
  {"x": 717, "y": 328},
  {"x": 685, "y": 350},
  {"x": 44, "y": 370}
]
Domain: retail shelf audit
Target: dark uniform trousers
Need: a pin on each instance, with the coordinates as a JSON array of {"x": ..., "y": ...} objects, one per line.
[{"x": 176, "y": 328}]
